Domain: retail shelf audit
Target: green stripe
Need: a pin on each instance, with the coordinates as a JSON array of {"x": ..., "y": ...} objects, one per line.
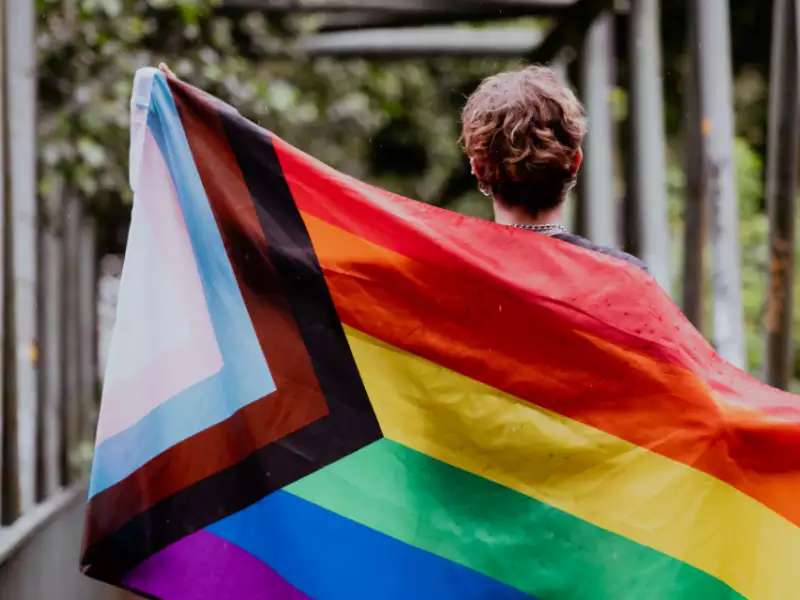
[{"x": 496, "y": 531}]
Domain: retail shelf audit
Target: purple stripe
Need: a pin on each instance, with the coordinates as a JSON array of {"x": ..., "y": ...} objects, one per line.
[{"x": 204, "y": 566}]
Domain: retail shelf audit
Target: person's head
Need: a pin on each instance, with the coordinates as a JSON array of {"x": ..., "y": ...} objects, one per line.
[{"x": 522, "y": 131}]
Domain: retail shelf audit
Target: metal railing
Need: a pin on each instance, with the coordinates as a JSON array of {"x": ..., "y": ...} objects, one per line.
[{"x": 47, "y": 309}]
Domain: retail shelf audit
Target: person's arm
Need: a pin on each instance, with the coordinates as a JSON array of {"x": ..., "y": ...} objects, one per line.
[{"x": 166, "y": 70}]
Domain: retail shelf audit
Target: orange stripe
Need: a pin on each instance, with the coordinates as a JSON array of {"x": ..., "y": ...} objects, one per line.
[{"x": 534, "y": 351}]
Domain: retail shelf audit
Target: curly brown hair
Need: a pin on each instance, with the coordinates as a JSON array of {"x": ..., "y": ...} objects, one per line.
[{"x": 524, "y": 129}]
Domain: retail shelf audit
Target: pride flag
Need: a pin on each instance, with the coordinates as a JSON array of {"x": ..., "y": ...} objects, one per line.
[{"x": 319, "y": 389}]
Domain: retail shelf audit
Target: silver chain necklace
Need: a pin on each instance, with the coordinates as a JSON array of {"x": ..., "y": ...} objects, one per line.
[{"x": 545, "y": 228}]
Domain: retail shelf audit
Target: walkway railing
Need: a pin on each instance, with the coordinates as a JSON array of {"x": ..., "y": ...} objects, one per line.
[{"x": 47, "y": 320}]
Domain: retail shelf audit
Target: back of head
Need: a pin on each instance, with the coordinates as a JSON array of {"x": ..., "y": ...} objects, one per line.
[{"x": 523, "y": 131}]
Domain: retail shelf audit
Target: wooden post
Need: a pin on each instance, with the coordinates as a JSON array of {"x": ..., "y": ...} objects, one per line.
[
  {"x": 50, "y": 374},
  {"x": 575, "y": 220},
  {"x": 716, "y": 106},
  {"x": 647, "y": 161},
  {"x": 696, "y": 202},
  {"x": 70, "y": 352},
  {"x": 560, "y": 67},
  {"x": 87, "y": 318},
  {"x": 5, "y": 184},
  {"x": 784, "y": 129},
  {"x": 597, "y": 188},
  {"x": 20, "y": 378}
]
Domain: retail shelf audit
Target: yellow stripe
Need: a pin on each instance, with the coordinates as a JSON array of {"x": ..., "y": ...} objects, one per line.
[{"x": 605, "y": 480}]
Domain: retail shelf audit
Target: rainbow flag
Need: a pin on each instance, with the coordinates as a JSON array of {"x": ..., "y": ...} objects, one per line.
[{"x": 319, "y": 389}]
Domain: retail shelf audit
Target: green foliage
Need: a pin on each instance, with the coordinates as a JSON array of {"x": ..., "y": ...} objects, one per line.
[{"x": 375, "y": 120}]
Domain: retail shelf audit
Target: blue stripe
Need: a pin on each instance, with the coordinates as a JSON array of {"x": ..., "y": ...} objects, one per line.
[
  {"x": 245, "y": 376},
  {"x": 328, "y": 556}
]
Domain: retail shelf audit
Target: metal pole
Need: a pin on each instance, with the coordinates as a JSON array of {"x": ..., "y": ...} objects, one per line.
[
  {"x": 716, "y": 105},
  {"x": 561, "y": 68},
  {"x": 648, "y": 164},
  {"x": 784, "y": 129},
  {"x": 5, "y": 184},
  {"x": 597, "y": 190},
  {"x": 70, "y": 338},
  {"x": 87, "y": 312},
  {"x": 696, "y": 204},
  {"x": 50, "y": 374},
  {"x": 21, "y": 286}
]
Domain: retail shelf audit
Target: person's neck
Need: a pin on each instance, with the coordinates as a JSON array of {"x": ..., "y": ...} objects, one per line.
[{"x": 516, "y": 215}]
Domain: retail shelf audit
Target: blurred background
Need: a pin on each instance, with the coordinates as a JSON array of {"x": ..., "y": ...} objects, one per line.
[{"x": 691, "y": 164}]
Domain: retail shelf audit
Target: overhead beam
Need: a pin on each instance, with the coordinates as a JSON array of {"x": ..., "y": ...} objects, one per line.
[
  {"x": 571, "y": 29},
  {"x": 423, "y": 42},
  {"x": 394, "y": 6},
  {"x": 782, "y": 154},
  {"x": 368, "y": 20}
]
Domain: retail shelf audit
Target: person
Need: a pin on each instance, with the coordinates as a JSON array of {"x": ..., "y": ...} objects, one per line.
[{"x": 522, "y": 131}]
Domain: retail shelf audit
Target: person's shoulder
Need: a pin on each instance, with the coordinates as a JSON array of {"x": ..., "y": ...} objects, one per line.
[{"x": 590, "y": 245}]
